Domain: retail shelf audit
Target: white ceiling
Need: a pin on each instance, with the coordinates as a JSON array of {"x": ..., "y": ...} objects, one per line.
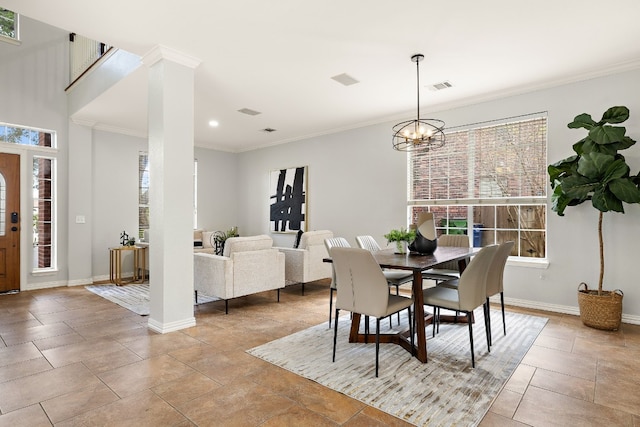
[{"x": 278, "y": 56}]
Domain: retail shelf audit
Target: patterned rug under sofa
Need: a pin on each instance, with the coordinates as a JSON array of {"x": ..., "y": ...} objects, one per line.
[
  {"x": 445, "y": 391},
  {"x": 134, "y": 297}
]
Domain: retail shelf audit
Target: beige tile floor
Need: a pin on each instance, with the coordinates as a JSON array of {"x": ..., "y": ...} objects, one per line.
[{"x": 69, "y": 357}]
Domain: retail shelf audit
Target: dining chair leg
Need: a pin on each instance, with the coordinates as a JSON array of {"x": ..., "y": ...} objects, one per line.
[
  {"x": 377, "y": 343},
  {"x": 397, "y": 293},
  {"x": 335, "y": 334},
  {"x": 330, "y": 304},
  {"x": 504, "y": 324},
  {"x": 487, "y": 325},
  {"x": 473, "y": 359},
  {"x": 366, "y": 329},
  {"x": 411, "y": 330},
  {"x": 433, "y": 321},
  {"x": 487, "y": 319}
]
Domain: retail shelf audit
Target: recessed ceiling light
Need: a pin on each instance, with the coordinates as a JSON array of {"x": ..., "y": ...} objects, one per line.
[{"x": 213, "y": 123}]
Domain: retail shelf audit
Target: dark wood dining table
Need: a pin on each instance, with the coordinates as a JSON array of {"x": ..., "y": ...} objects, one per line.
[{"x": 416, "y": 263}]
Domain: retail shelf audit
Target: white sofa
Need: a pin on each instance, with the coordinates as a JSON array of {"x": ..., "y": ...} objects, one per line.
[
  {"x": 304, "y": 264},
  {"x": 248, "y": 265}
]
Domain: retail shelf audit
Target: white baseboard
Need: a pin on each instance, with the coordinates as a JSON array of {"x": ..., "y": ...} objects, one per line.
[
  {"x": 555, "y": 308},
  {"x": 80, "y": 282},
  {"x": 164, "y": 328}
]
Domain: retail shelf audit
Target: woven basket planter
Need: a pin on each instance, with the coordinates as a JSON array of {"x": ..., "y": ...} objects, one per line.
[{"x": 602, "y": 311}]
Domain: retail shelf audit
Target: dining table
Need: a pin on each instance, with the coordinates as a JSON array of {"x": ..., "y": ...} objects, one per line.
[{"x": 416, "y": 263}]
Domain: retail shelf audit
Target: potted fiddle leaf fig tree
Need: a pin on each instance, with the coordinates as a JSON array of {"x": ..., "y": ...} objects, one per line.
[{"x": 598, "y": 173}]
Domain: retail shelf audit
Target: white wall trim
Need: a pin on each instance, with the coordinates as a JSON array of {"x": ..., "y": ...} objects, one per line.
[
  {"x": 44, "y": 285},
  {"x": 159, "y": 52},
  {"x": 80, "y": 282},
  {"x": 555, "y": 308},
  {"x": 164, "y": 328}
]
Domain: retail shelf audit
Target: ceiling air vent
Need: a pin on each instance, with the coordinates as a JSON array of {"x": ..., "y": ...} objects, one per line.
[
  {"x": 441, "y": 85},
  {"x": 269, "y": 130},
  {"x": 249, "y": 111},
  {"x": 345, "y": 79}
]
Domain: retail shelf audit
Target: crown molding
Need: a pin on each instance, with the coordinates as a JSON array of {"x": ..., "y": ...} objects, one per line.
[{"x": 161, "y": 52}]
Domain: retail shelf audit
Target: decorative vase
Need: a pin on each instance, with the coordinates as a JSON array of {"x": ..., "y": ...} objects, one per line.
[
  {"x": 422, "y": 245},
  {"x": 426, "y": 240},
  {"x": 401, "y": 246}
]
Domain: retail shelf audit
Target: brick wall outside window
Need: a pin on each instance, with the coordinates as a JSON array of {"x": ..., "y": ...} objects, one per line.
[{"x": 488, "y": 180}]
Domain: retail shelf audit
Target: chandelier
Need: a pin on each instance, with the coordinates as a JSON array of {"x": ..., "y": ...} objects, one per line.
[{"x": 418, "y": 134}]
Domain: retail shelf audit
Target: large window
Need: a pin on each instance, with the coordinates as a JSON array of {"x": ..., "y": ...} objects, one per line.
[
  {"x": 43, "y": 213},
  {"x": 8, "y": 24},
  {"x": 489, "y": 181}
]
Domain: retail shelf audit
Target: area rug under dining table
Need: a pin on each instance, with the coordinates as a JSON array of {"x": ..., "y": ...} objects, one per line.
[{"x": 445, "y": 391}]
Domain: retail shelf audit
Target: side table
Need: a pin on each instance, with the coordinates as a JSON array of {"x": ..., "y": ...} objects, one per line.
[{"x": 139, "y": 264}]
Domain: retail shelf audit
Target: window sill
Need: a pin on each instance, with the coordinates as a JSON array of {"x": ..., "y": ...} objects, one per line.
[
  {"x": 43, "y": 272},
  {"x": 10, "y": 40},
  {"x": 541, "y": 263}
]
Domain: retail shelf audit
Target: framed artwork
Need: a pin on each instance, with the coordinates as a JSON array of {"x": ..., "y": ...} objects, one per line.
[{"x": 288, "y": 200}]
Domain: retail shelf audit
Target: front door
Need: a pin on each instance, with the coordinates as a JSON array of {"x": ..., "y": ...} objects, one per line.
[{"x": 9, "y": 222}]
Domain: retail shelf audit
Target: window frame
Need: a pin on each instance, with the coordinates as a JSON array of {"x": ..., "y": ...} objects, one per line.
[
  {"x": 15, "y": 39},
  {"x": 479, "y": 204},
  {"x": 53, "y": 240}
]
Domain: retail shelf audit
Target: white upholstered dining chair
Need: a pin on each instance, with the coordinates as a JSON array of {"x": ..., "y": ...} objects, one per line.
[
  {"x": 334, "y": 242},
  {"x": 363, "y": 289},
  {"x": 469, "y": 294}
]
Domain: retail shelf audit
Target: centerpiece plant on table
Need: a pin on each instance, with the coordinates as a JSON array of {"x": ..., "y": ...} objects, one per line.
[{"x": 402, "y": 237}]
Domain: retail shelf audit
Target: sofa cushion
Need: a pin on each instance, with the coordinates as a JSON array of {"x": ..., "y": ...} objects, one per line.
[
  {"x": 311, "y": 238},
  {"x": 207, "y": 239},
  {"x": 247, "y": 243}
]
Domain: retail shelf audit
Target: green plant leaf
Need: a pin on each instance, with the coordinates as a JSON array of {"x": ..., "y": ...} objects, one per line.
[
  {"x": 617, "y": 169},
  {"x": 400, "y": 235},
  {"x": 594, "y": 165},
  {"x": 590, "y": 146},
  {"x": 562, "y": 168},
  {"x": 605, "y": 201},
  {"x": 578, "y": 147},
  {"x": 625, "y": 190},
  {"x": 607, "y": 134},
  {"x": 621, "y": 145},
  {"x": 559, "y": 201},
  {"x": 583, "y": 120},
  {"x": 617, "y": 114},
  {"x": 578, "y": 186}
]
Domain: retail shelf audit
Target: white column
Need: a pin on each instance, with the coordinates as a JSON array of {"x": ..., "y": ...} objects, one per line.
[{"x": 171, "y": 99}]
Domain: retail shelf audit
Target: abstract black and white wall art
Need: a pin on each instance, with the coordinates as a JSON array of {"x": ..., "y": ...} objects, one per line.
[{"x": 288, "y": 200}]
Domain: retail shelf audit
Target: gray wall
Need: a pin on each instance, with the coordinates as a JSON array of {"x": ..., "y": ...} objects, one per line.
[
  {"x": 115, "y": 192},
  {"x": 358, "y": 185},
  {"x": 33, "y": 76}
]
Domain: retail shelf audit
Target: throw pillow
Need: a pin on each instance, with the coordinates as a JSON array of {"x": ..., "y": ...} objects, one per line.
[
  {"x": 207, "y": 239},
  {"x": 298, "y": 237}
]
